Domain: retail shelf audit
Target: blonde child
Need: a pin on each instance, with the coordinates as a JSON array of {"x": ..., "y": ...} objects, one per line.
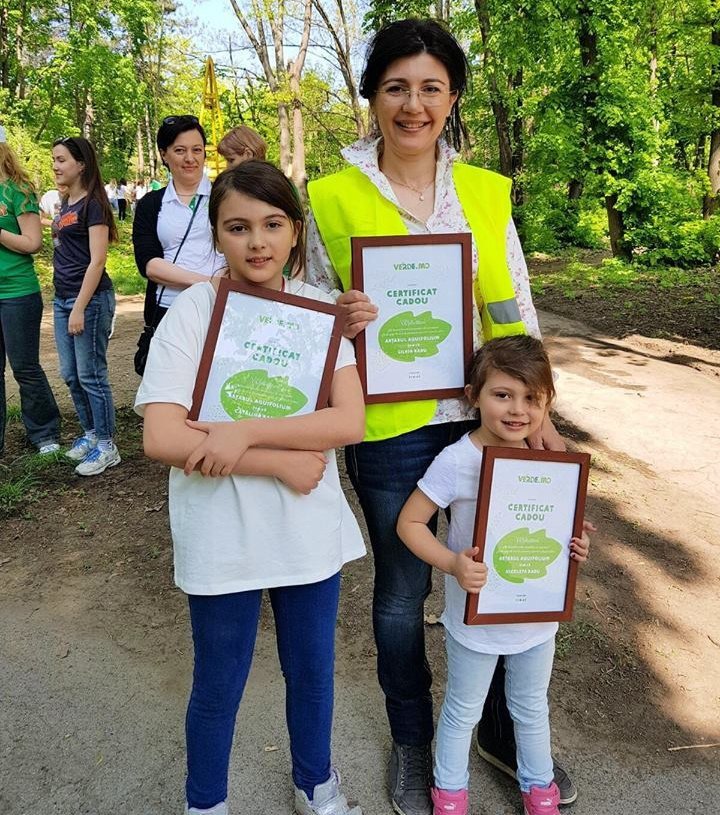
[
  {"x": 241, "y": 144},
  {"x": 254, "y": 504},
  {"x": 511, "y": 384}
]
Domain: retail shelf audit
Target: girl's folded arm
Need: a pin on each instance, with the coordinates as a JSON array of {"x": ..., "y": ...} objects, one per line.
[
  {"x": 167, "y": 438},
  {"x": 343, "y": 422},
  {"x": 413, "y": 531}
]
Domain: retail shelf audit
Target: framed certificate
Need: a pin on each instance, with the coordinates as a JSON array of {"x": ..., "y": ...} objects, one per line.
[
  {"x": 530, "y": 503},
  {"x": 267, "y": 354},
  {"x": 420, "y": 343}
]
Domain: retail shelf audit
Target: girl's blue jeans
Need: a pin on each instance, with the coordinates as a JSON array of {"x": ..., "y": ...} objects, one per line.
[
  {"x": 83, "y": 361},
  {"x": 224, "y": 628},
  {"x": 527, "y": 677}
]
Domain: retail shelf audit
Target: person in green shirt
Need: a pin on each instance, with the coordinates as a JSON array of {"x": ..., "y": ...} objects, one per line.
[{"x": 21, "y": 306}]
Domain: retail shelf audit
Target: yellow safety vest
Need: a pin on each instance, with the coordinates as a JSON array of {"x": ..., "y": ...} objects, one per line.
[{"x": 347, "y": 204}]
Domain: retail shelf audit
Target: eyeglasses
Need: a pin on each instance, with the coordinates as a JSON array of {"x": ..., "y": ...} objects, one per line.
[
  {"x": 171, "y": 120},
  {"x": 430, "y": 96}
]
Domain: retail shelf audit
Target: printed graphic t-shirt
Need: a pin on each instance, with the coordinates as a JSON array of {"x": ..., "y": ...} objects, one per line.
[
  {"x": 71, "y": 240},
  {"x": 17, "y": 272}
]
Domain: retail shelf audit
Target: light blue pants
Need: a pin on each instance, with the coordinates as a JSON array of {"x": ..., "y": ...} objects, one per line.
[{"x": 527, "y": 676}]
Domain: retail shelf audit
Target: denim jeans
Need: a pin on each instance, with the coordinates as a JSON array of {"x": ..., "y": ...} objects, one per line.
[
  {"x": 224, "y": 628},
  {"x": 20, "y": 342},
  {"x": 384, "y": 473},
  {"x": 83, "y": 361},
  {"x": 527, "y": 676}
]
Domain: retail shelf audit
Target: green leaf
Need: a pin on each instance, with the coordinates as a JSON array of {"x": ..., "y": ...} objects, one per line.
[
  {"x": 523, "y": 555},
  {"x": 255, "y": 394},
  {"x": 405, "y": 337}
]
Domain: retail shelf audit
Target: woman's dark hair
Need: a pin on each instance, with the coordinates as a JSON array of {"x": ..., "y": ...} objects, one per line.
[
  {"x": 262, "y": 180},
  {"x": 520, "y": 356},
  {"x": 123, "y": 182},
  {"x": 173, "y": 126},
  {"x": 406, "y": 38},
  {"x": 82, "y": 150}
]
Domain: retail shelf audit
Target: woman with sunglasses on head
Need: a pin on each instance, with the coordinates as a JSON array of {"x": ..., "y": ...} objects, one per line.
[
  {"x": 21, "y": 305},
  {"x": 406, "y": 179},
  {"x": 171, "y": 231},
  {"x": 84, "y": 300}
]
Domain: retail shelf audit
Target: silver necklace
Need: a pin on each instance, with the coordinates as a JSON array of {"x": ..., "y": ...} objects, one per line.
[{"x": 419, "y": 192}]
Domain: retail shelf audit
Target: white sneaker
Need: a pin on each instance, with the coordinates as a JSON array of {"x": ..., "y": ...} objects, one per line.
[
  {"x": 218, "y": 809},
  {"x": 327, "y": 799},
  {"x": 80, "y": 448},
  {"x": 97, "y": 461},
  {"x": 48, "y": 448}
]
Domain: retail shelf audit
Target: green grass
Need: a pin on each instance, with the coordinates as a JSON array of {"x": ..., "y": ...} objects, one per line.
[
  {"x": 576, "y": 278},
  {"x": 24, "y": 479},
  {"x": 120, "y": 263}
]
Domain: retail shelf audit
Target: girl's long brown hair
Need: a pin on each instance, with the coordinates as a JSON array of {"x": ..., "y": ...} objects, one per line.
[{"x": 81, "y": 150}]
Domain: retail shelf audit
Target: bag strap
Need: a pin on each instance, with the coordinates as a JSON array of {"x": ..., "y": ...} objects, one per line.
[{"x": 182, "y": 242}]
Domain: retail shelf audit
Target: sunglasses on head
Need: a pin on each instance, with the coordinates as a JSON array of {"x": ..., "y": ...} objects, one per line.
[{"x": 171, "y": 120}]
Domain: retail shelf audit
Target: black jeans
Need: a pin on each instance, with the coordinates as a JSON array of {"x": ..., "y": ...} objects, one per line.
[{"x": 20, "y": 342}]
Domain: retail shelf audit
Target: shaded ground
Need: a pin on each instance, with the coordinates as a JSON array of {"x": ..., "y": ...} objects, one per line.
[
  {"x": 95, "y": 652},
  {"x": 689, "y": 313}
]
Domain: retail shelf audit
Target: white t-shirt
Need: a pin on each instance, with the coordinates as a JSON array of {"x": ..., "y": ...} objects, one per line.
[
  {"x": 452, "y": 480},
  {"x": 238, "y": 533},
  {"x": 198, "y": 252}
]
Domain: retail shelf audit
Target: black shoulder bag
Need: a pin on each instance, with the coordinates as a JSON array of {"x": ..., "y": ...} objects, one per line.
[{"x": 143, "y": 344}]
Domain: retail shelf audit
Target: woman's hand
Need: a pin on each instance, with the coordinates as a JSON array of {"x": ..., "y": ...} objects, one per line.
[
  {"x": 580, "y": 547},
  {"x": 220, "y": 451},
  {"x": 76, "y": 321},
  {"x": 547, "y": 438},
  {"x": 359, "y": 310},
  {"x": 469, "y": 573},
  {"x": 301, "y": 470}
]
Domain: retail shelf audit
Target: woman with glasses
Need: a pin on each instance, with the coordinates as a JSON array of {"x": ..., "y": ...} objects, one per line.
[
  {"x": 21, "y": 305},
  {"x": 406, "y": 178},
  {"x": 84, "y": 303},
  {"x": 171, "y": 231}
]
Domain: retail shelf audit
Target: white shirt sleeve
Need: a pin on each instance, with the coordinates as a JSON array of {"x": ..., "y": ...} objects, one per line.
[
  {"x": 440, "y": 480},
  {"x": 318, "y": 269},
  {"x": 521, "y": 280},
  {"x": 174, "y": 356}
]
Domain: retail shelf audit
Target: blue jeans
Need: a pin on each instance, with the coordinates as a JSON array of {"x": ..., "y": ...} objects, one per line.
[
  {"x": 527, "y": 677},
  {"x": 224, "y": 628},
  {"x": 20, "y": 341},
  {"x": 83, "y": 361},
  {"x": 384, "y": 473}
]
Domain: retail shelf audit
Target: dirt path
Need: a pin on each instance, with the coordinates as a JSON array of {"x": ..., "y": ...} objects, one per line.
[{"x": 95, "y": 652}]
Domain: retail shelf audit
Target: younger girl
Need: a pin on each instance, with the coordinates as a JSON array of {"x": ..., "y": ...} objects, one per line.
[
  {"x": 84, "y": 300},
  {"x": 259, "y": 506},
  {"x": 511, "y": 384},
  {"x": 240, "y": 144}
]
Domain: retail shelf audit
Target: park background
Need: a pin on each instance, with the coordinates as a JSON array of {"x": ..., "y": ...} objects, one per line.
[{"x": 607, "y": 117}]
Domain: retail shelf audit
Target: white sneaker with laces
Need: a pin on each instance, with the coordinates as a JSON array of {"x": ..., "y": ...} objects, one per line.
[
  {"x": 48, "y": 448},
  {"x": 327, "y": 799},
  {"x": 97, "y": 461},
  {"x": 80, "y": 448}
]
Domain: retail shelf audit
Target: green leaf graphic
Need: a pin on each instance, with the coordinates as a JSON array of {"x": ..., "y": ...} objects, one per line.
[
  {"x": 523, "y": 555},
  {"x": 405, "y": 337},
  {"x": 254, "y": 394}
]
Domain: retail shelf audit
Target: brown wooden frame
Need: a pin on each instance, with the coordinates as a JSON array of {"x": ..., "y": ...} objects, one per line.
[
  {"x": 473, "y": 615},
  {"x": 358, "y": 282},
  {"x": 224, "y": 288}
]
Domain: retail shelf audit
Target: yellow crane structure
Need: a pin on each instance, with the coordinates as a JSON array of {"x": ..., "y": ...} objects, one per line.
[{"x": 211, "y": 120}]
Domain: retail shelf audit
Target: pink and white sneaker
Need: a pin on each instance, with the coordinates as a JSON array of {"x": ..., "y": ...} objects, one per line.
[
  {"x": 446, "y": 802},
  {"x": 542, "y": 800}
]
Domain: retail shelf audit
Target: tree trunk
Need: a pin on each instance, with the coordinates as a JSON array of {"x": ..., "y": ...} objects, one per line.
[
  {"x": 710, "y": 202},
  {"x": 616, "y": 227}
]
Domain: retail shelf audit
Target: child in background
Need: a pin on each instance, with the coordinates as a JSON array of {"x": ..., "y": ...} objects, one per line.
[
  {"x": 241, "y": 144},
  {"x": 258, "y": 506},
  {"x": 84, "y": 304},
  {"x": 511, "y": 384}
]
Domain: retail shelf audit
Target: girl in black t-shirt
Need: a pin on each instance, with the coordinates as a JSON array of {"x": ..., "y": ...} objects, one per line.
[{"x": 84, "y": 300}]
